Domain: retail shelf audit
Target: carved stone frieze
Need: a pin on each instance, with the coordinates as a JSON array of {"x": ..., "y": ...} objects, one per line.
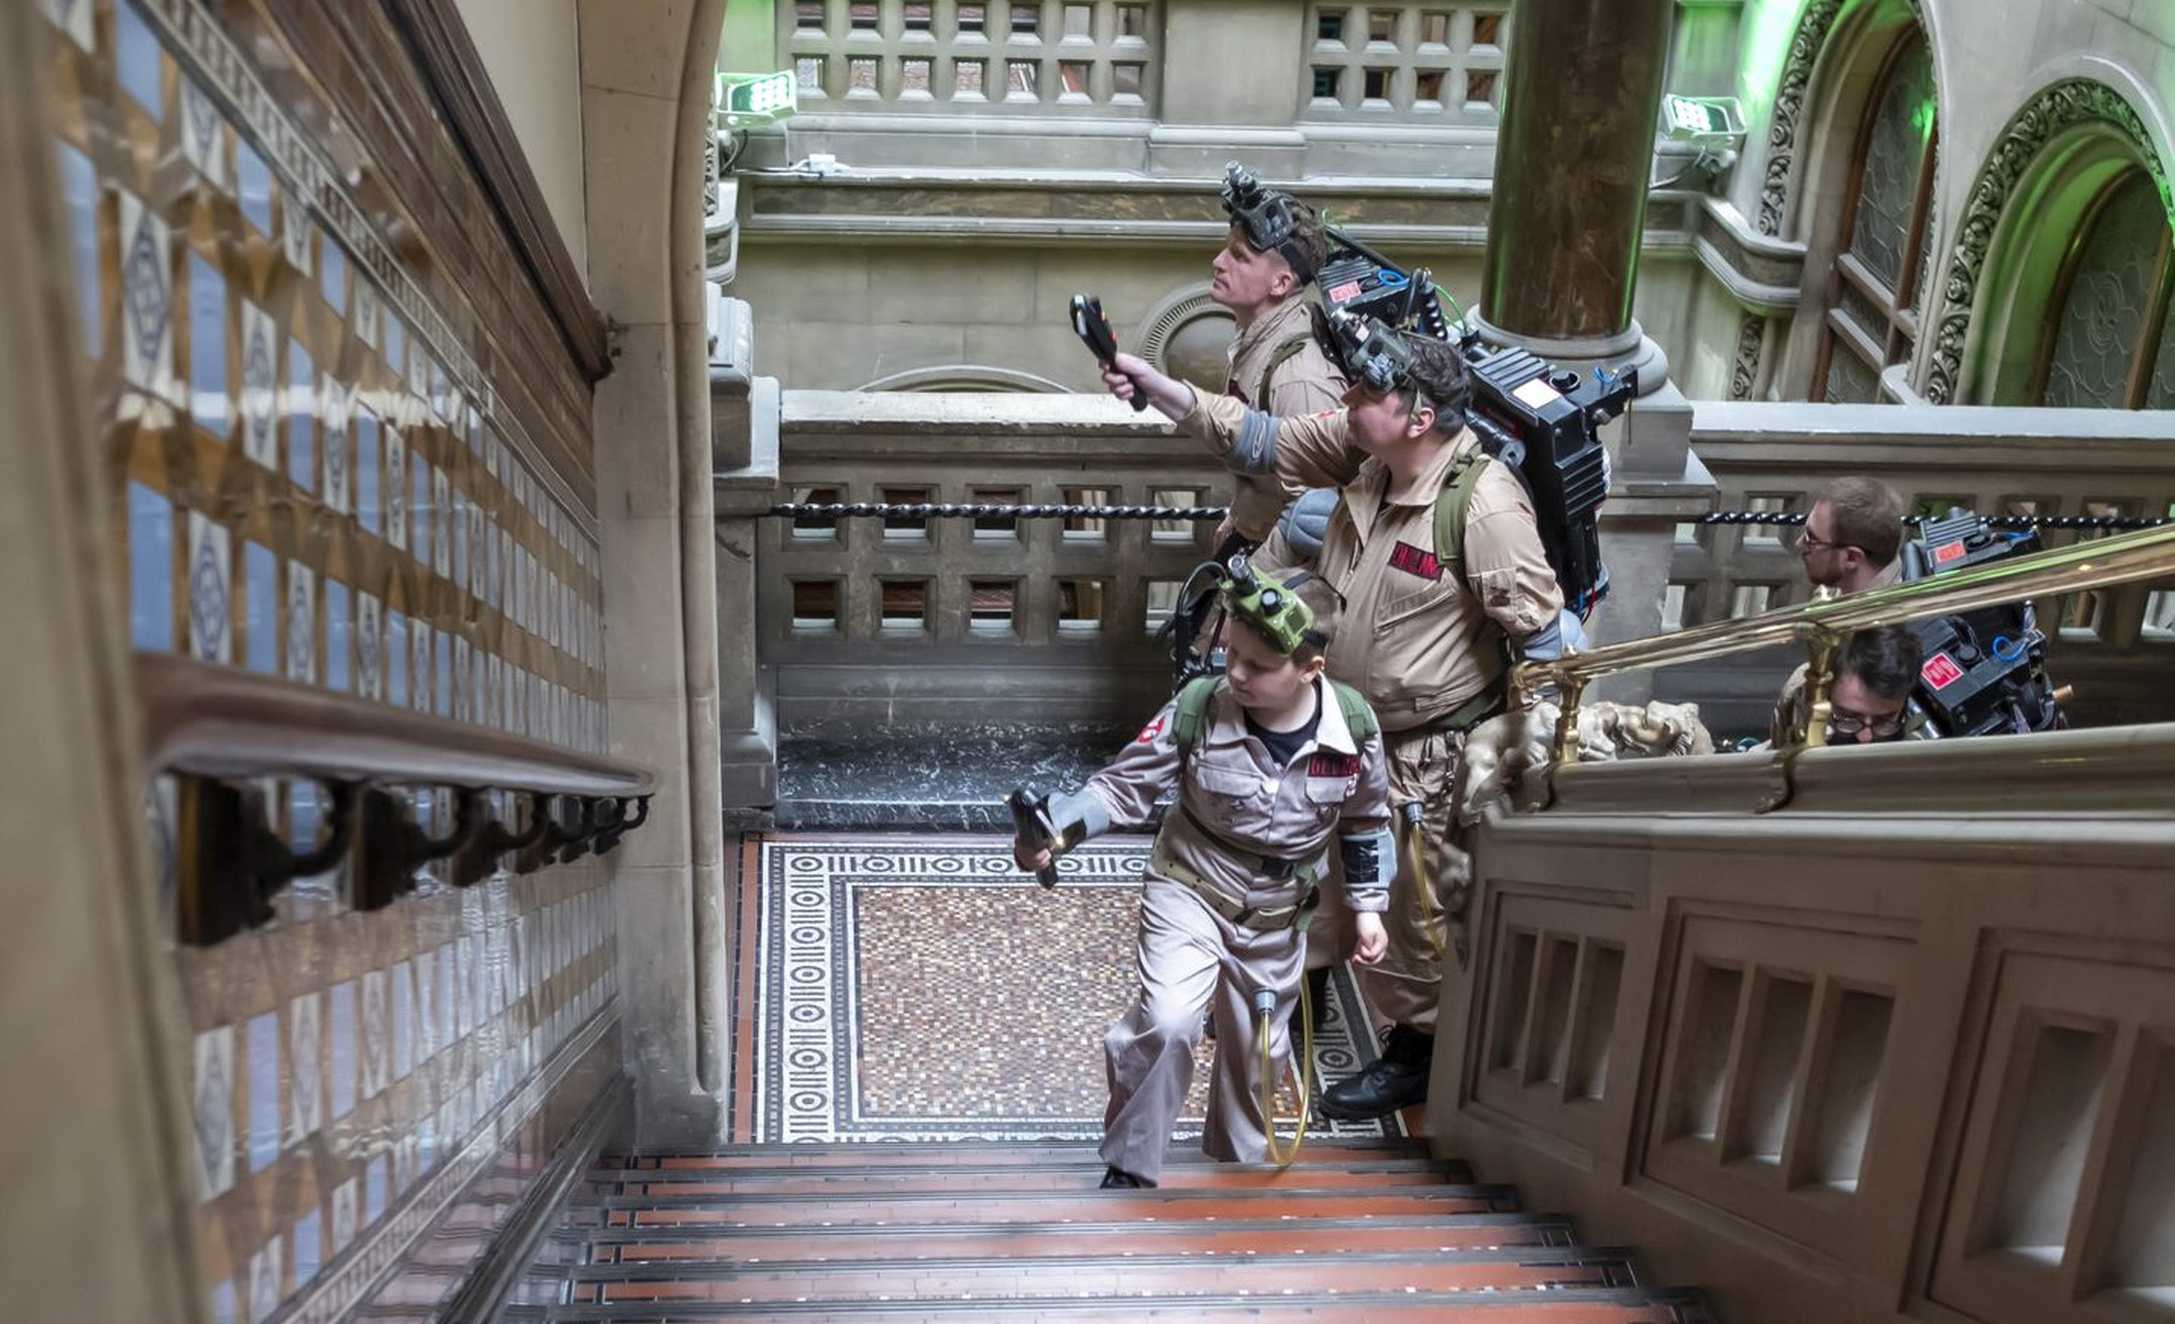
[{"x": 2063, "y": 106}]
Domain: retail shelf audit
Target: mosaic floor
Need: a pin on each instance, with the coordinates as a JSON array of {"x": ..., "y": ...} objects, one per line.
[{"x": 917, "y": 988}]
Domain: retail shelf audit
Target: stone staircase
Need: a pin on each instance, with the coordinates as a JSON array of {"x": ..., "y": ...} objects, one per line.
[{"x": 868, "y": 1232}]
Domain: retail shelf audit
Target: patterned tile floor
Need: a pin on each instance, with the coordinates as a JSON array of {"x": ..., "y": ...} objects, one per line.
[{"x": 918, "y": 988}]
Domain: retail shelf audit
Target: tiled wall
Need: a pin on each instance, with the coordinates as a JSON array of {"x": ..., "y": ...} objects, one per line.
[{"x": 317, "y": 482}]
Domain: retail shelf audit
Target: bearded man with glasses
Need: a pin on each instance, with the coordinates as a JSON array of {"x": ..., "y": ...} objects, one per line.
[{"x": 1850, "y": 542}]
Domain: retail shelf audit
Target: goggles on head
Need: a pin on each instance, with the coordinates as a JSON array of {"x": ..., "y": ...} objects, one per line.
[
  {"x": 1370, "y": 354},
  {"x": 1268, "y": 217},
  {"x": 1271, "y": 608}
]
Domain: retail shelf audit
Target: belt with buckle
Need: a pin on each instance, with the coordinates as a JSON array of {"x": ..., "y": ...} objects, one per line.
[{"x": 1261, "y": 919}]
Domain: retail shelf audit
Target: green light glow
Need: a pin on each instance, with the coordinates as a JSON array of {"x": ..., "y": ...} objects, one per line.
[{"x": 1768, "y": 27}]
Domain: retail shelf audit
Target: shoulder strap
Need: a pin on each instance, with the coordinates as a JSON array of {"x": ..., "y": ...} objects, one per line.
[
  {"x": 1451, "y": 505},
  {"x": 1193, "y": 703},
  {"x": 1285, "y": 350},
  {"x": 1359, "y": 719}
]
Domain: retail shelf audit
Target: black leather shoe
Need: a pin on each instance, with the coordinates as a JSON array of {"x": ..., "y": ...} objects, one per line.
[
  {"x": 1118, "y": 1179},
  {"x": 1397, "y": 1079}
]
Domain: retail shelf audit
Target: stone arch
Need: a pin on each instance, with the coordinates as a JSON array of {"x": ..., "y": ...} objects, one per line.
[
  {"x": 966, "y": 377},
  {"x": 1834, "y": 40},
  {"x": 1837, "y": 60},
  {"x": 2068, "y": 139}
]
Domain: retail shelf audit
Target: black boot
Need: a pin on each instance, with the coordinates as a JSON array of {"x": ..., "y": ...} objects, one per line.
[
  {"x": 1318, "y": 999},
  {"x": 1397, "y": 1079},
  {"x": 1118, "y": 1179}
]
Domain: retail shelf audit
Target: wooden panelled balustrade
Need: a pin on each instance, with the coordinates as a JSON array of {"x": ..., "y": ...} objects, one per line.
[{"x": 1903, "y": 1049}]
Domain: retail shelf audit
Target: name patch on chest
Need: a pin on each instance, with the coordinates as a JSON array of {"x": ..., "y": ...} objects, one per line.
[
  {"x": 1410, "y": 559},
  {"x": 1328, "y": 763}
]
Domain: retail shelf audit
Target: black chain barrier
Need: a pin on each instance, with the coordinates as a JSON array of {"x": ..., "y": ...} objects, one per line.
[
  {"x": 948, "y": 510},
  {"x": 1795, "y": 518}
]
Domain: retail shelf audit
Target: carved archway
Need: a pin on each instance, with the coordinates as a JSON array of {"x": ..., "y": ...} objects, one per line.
[
  {"x": 2060, "y": 110},
  {"x": 1786, "y": 119}
]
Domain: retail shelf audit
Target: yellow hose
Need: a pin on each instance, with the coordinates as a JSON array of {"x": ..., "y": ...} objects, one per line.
[{"x": 1264, "y": 1038}]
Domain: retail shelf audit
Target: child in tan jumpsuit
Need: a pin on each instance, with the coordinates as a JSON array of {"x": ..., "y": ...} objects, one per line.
[{"x": 1274, "y": 771}]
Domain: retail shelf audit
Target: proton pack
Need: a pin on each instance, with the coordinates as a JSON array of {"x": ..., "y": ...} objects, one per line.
[{"x": 1985, "y": 670}]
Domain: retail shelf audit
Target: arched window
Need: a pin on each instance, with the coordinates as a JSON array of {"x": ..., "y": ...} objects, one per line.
[
  {"x": 1872, "y": 318},
  {"x": 2107, "y": 341}
]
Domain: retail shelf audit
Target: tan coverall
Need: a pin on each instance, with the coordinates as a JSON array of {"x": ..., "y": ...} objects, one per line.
[
  {"x": 1412, "y": 639},
  {"x": 1308, "y": 382},
  {"x": 1193, "y": 956}
]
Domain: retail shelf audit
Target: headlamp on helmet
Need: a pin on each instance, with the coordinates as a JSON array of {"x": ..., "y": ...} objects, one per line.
[
  {"x": 1370, "y": 354},
  {"x": 1271, "y": 608},
  {"x": 1268, "y": 217}
]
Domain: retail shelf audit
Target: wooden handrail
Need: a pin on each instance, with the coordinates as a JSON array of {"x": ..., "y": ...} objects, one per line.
[{"x": 217, "y": 722}]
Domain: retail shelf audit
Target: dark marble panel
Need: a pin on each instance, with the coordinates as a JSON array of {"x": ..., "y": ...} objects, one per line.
[{"x": 931, "y": 776}]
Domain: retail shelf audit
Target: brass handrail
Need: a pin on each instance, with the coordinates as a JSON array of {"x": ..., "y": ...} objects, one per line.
[{"x": 1823, "y": 625}]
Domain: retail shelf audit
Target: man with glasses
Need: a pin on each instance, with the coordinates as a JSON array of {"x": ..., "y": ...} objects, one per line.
[
  {"x": 1869, "y": 701},
  {"x": 1850, "y": 542},
  {"x": 1852, "y": 537},
  {"x": 1432, "y": 627}
]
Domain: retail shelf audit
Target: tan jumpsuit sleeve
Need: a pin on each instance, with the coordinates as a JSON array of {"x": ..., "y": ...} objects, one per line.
[
  {"x": 1311, "y": 450},
  {"x": 1141, "y": 774},
  {"x": 1504, "y": 560}
]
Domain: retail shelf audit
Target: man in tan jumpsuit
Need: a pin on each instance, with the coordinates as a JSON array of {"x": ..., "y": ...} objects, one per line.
[
  {"x": 1426, "y": 646},
  {"x": 1274, "y": 779},
  {"x": 1261, "y": 276}
]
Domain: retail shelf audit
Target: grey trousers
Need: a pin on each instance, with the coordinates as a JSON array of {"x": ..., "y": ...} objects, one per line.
[{"x": 1193, "y": 960}]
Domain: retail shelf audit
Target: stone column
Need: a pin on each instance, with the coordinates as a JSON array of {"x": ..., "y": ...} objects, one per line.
[
  {"x": 1573, "y": 160},
  {"x": 1571, "y": 170},
  {"x": 744, "y": 412}
]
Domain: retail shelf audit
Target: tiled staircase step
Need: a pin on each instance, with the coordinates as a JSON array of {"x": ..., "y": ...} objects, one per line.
[
  {"x": 1316, "y": 1152},
  {"x": 1240, "y": 1237},
  {"x": 1067, "y": 1177},
  {"x": 1074, "y": 1275},
  {"x": 1085, "y": 1206},
  {"x": 1569, "y": 1305}
]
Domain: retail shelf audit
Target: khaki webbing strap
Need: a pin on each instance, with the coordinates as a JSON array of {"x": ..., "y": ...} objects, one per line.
[
  {"x": 1260, "y": 920},
  {"x": 1285, "y": 351},
  {"x": 1482, "y": 706}
]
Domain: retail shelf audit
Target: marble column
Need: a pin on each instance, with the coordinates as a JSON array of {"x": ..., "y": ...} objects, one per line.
[
  {"x": 1573, "y": 161},
  {"x": 1572, "y": 164}
]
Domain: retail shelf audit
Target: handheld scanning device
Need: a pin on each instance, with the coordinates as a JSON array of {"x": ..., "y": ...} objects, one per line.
[
  {"x": 1031, "y": 820},
  {"x": 1094, "y": 331}
]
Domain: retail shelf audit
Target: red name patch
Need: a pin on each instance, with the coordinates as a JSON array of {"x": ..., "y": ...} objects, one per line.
[
  {"x": 1325, "y": 764},
  {"x": 1941, "y": 671},
  {"x": 1410, "y": 559},
  {"x": 1149, "y": 732}
]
